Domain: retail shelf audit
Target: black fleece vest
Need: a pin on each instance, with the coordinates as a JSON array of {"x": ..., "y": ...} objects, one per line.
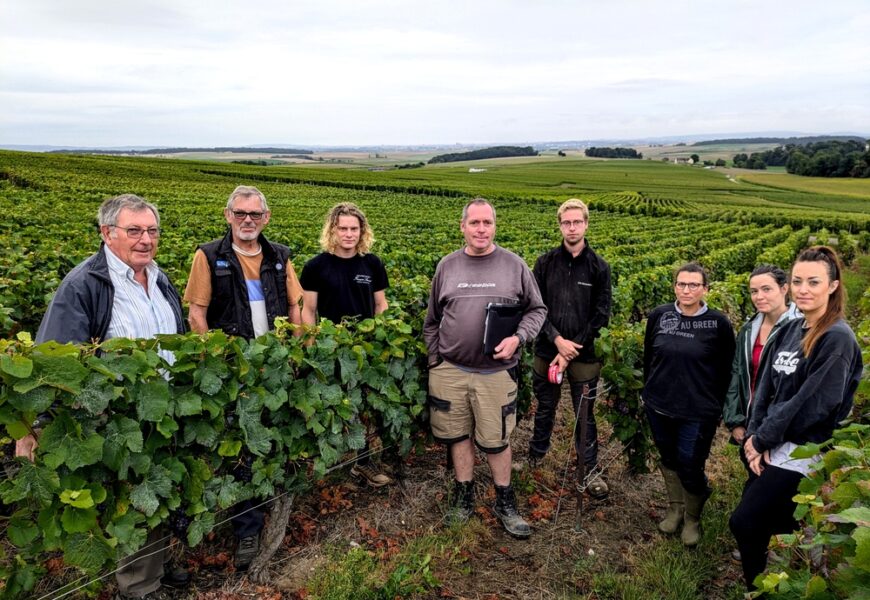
[{"x": 230, "y": 309}]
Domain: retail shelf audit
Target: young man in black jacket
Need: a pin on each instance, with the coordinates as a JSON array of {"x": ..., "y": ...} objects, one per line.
[{"x": 575, "y": 285}]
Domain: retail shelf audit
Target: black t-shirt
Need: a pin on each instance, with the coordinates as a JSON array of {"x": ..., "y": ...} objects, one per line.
[
  {"x": 345, "y": 286},
  {"x": 687, "y": 363}
]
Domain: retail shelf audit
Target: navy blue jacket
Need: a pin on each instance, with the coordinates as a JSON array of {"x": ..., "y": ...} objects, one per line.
[{"x": 81, "y": 309}]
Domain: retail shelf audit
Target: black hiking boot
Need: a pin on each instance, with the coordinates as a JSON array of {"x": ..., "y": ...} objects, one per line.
[
  {"x": 505, "y": 509},
  {"x": 461, "y": 503}
]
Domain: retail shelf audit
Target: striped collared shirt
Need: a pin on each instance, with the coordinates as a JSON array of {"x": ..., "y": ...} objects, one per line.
[{"x": 136, "y": 314}]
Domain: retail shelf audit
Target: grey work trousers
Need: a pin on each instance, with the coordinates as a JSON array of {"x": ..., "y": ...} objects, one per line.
[{"x": 140, "y": 573}]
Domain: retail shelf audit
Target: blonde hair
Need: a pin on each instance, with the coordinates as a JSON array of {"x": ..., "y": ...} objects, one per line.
[
  {"x": 573, "y": 204},
  {"x": 328, "y": 237}
]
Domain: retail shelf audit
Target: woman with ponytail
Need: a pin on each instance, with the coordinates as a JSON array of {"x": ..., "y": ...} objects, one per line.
[{"x": 806, "y": 383}]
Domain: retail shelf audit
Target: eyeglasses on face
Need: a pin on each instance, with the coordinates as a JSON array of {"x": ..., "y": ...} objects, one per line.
[
  {"x": 575, "y": 223},
  {"x": 691, "y": 286},
  {"x": 134, "y": 233},
  {"x": 241, "y": 215}
]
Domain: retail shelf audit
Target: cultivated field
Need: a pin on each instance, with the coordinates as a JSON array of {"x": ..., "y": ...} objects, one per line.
[{"x": 647, "y": 216}]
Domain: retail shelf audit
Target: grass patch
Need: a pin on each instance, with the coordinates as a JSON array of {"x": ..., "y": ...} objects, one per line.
[
  {"x": 361, "y": 574},
  {"x": 665, "y": 569}
]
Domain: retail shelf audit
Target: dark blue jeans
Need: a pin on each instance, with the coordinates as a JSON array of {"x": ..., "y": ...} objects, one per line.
[{"x": 684, "y": 447}]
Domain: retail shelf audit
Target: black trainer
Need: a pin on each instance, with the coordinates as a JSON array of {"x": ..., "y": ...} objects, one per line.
[
  {"x": 461, "y": 503},
  {"x": 505, "y": 509}
]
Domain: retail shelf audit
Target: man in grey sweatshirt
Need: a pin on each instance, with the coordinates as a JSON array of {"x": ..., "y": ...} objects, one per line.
[{"x": 471, "y": 393}]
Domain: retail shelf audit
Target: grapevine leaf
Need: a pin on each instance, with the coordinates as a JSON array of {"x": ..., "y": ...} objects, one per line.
[
  {"x": 122, "y": 434},
  {"x": 32, "y": 481},
  {"x": 152, "y": 399},
  {"x": 210, "y": 383},
  {"x": 156, "y": 484},
  {"x": 188, "y": 403},
  {"x": 200, "y": 526},
  {"x": 229, "y": 492},
  {"x": 35, "y": 400},
  {"x": 17, "y": 366},
  {"x": 49, "y": 528},
  {"x": 87, "y": 551},
  {"x": 77, "y": 498},
  {"x": 97, "y": 394},
  {"x": 860, "y": 516},
  {"x": 861, "y": 535},
  {"x": 176, "y": 469},
  {"x": 276, "y": 400},
  {"x": 167, "y": 426},
  {"x": 327, "y": 452},
  {"x": 356, "y": 437},
  {"x": 202, "y": 432},
  {"x": 229, "y": 448},
  {"x": 130, "y": 538},
  {"x": 78, "y": 520},
  {"x": 63, "y": 372},
  {"x": 62, "y": 443},
  {"x": 121, "y": 366},
  {"x": 21, "y": 532}
]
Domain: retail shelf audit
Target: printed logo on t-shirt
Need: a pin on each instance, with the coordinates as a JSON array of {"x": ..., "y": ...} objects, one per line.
[
  {"x": 786, "y": 362},
  {"x": 672, "y": 324},
  {"x": 362, "y": 279},
  {"x": 465, "y": 284},
  {"x": 669, "y": 322}
]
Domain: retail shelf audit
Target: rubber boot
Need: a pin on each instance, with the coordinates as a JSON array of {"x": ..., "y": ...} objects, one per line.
[
  {"x": 674, "y": 517},
  {"x": 691, "y": 534}
]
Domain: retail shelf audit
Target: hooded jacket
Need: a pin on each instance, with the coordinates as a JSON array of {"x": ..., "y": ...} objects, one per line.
[{"x": 739, "y": 397}]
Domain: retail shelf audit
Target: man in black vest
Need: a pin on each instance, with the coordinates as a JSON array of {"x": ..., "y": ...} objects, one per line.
[{"x": 241, "y": 284}]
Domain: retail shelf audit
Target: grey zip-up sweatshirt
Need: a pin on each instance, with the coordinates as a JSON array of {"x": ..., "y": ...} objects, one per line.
[{"x": 462, "y": 287}]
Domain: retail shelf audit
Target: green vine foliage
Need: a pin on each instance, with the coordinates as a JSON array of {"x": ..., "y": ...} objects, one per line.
[
  {"x": 132, "y": 438},
  {"x": 621, "y": 351},
  {"x": 829, "y": 557}
]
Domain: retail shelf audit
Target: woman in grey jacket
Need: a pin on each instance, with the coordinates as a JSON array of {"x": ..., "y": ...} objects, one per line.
[
  {"x": 805, "y": 388},
  {"x": 768, "y": 290}
]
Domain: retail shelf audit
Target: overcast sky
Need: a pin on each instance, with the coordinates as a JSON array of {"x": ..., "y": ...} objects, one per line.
[{"x": 221, "y": 72}]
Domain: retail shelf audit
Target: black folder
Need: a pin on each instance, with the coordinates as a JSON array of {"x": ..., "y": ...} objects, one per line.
[{"x": 501, "y": 321}]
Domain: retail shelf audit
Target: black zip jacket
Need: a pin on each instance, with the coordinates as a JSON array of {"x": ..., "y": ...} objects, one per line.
[
  {"x": 799, "y": 399},
  {"x": 230, "y": 309},
  {"x": 577, "y": 293}
]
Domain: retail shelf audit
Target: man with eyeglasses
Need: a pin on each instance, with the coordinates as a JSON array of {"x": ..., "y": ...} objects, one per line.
[
  {"x": 240, "y": 284},
  {"x": 120, "y": 292},
  {"x": 575, "y": 285}
]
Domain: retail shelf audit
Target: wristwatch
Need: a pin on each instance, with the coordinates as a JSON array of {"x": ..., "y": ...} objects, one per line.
[{"x": 521, "y": 338}]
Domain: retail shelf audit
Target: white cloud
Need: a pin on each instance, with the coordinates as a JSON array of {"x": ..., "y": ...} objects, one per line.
[{"x": 192, "y": 72}]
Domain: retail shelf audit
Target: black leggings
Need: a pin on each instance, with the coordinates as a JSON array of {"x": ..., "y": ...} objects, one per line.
[{"x": 765, "y": 509}]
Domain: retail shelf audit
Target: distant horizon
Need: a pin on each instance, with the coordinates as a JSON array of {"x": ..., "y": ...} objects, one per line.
[{"x": 550, "y": 144}]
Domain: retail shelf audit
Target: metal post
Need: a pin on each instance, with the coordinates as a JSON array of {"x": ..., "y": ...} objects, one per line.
[{"x": 583, "y": 415}]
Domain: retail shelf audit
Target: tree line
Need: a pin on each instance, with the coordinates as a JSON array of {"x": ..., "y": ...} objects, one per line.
[
  {"x": 493, "y": 152},
  {"x": 821, "y": 159},
  {"x": 613, "y": 152}
]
